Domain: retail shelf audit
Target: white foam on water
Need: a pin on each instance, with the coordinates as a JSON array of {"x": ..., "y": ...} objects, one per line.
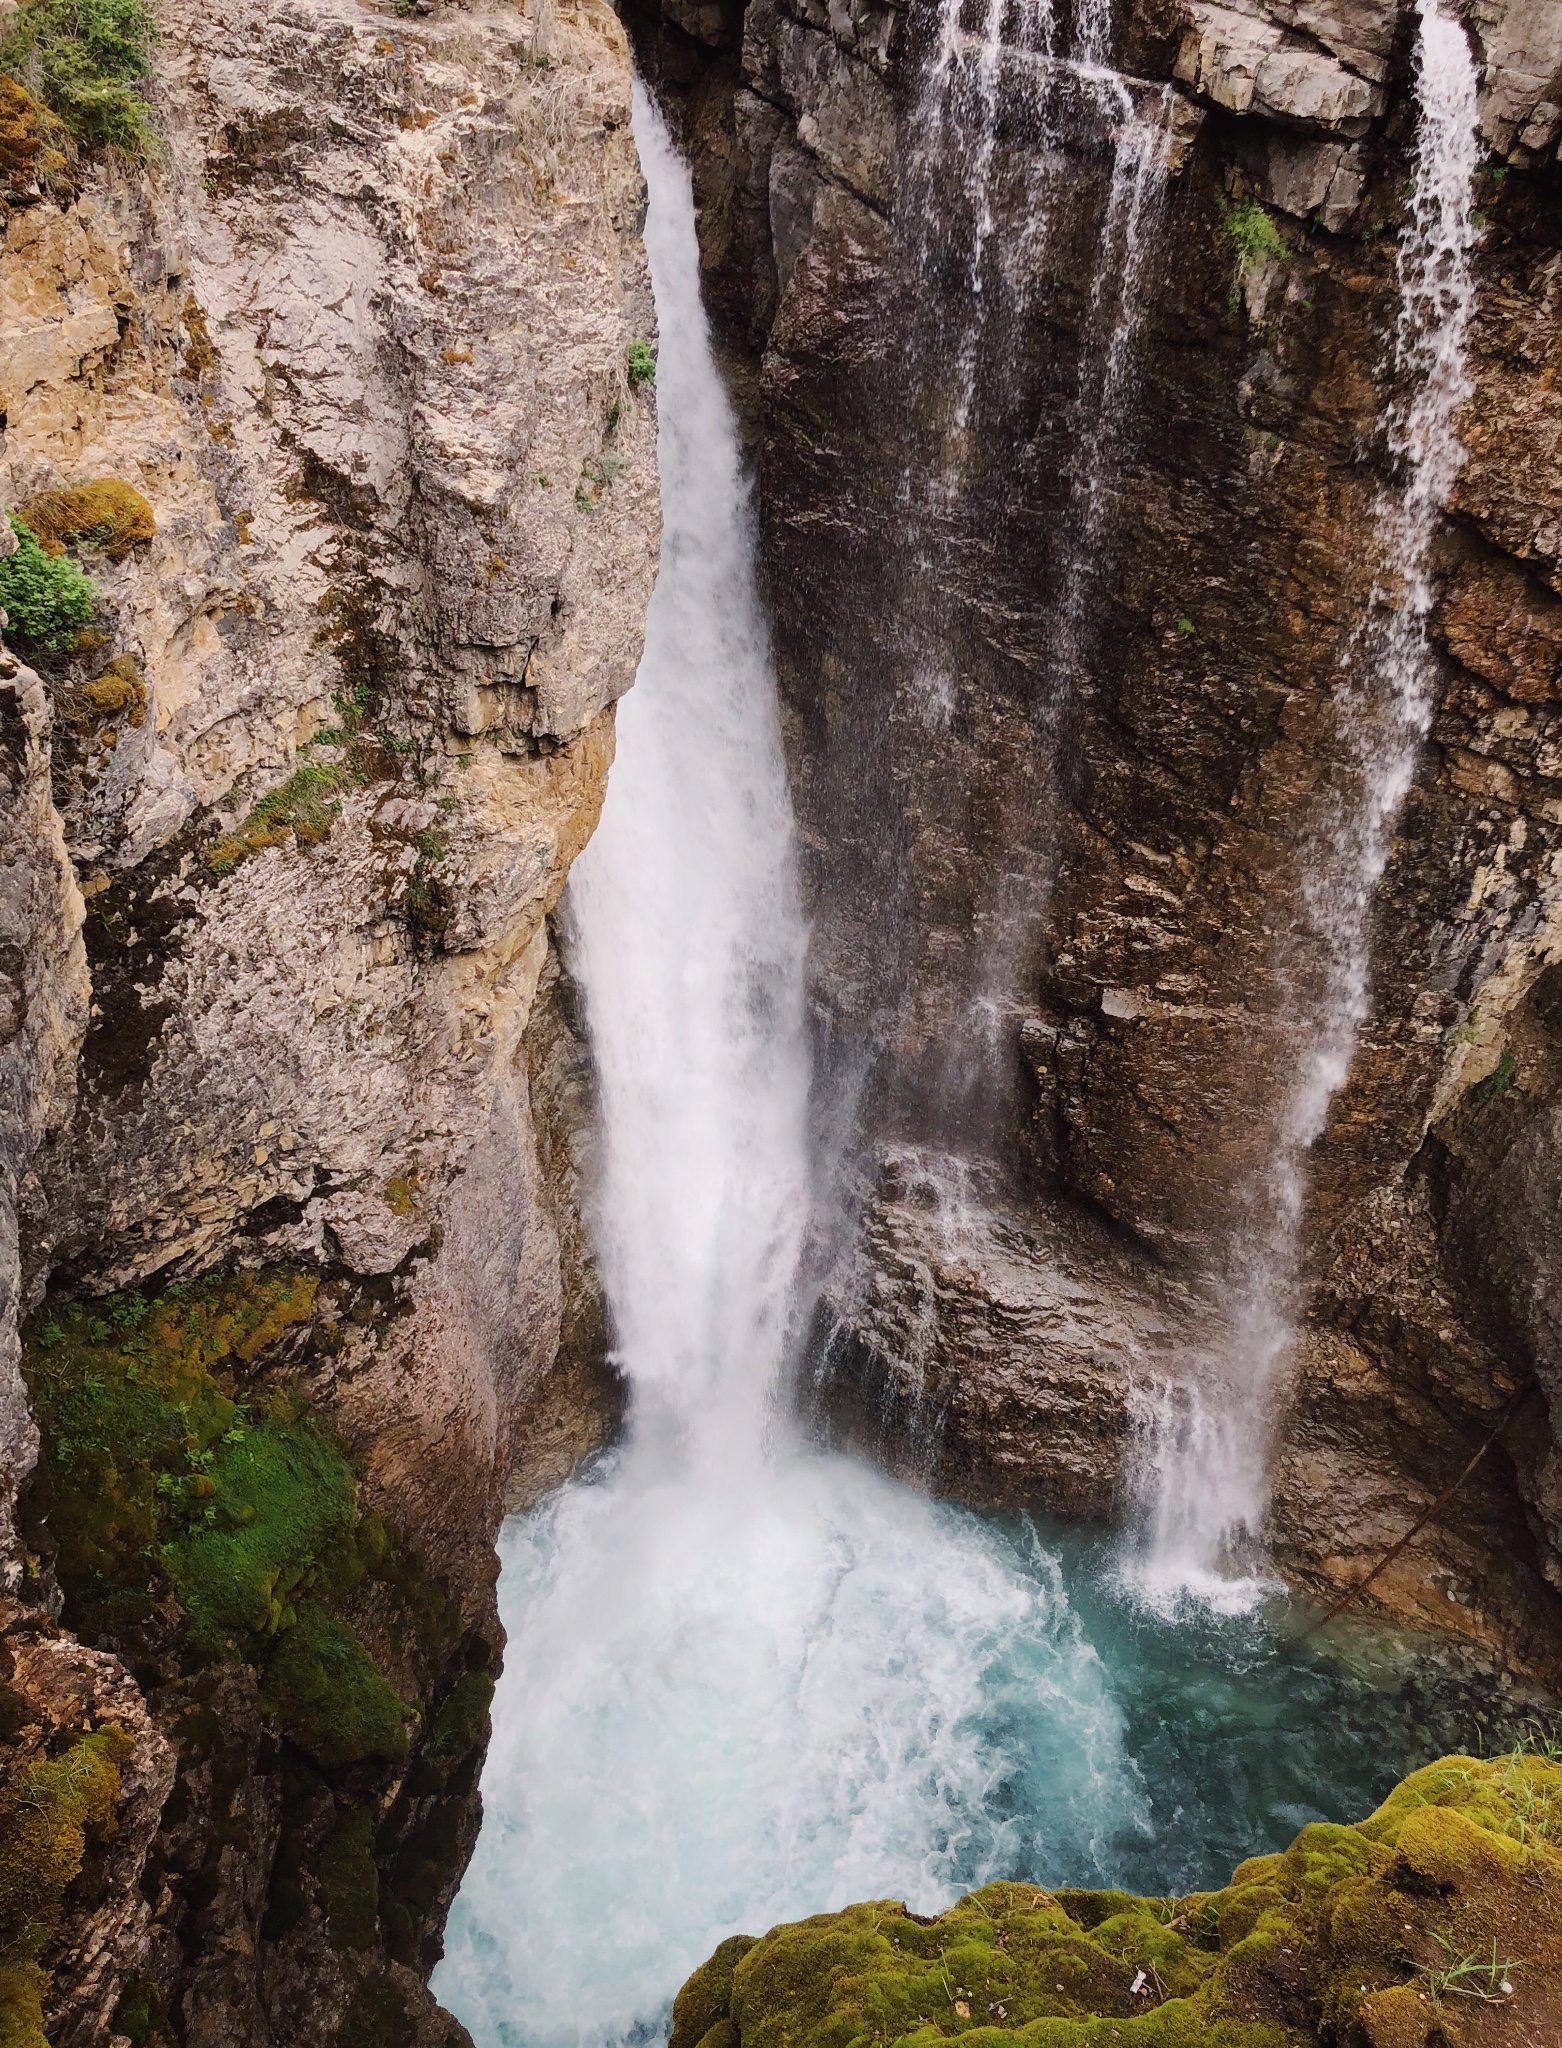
[{"x": 726, "y": 1706}]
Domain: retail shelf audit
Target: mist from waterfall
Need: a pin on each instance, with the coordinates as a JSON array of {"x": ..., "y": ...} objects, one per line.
[{"x": 1205, "y": 1437}]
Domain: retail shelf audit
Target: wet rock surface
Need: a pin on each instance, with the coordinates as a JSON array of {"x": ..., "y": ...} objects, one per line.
[{"x": 1052, "y": 882}]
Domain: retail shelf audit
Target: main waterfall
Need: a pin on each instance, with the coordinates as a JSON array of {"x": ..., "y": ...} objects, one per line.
[{"x": 745, "y": 1682}]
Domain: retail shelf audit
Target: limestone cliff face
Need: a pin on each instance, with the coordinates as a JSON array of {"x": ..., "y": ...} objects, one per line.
[
  {"x": 357, "y": 335},
  {"x": 1051, "y": 885}
]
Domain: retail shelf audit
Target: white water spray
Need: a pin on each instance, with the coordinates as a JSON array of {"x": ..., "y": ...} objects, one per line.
[
  {"x": 1207, "y": 1438},
  {"x": 744, "y": 1682}
]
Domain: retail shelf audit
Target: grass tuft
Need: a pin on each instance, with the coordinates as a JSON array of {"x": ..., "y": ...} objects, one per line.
[{"x": 1253, "y": 234}]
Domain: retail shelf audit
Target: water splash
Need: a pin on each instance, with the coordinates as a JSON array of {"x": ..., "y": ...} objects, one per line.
[{"x": 1206, "y": 1441}]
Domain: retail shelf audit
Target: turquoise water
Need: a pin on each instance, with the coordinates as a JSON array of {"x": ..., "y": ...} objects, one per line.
[
  {"x": 1244, "y": 1728},
  {"x": 735, "y": 1703}
]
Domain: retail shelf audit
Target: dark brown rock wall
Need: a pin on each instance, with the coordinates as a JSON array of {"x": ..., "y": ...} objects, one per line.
[{"x": 1060, "y": 679}]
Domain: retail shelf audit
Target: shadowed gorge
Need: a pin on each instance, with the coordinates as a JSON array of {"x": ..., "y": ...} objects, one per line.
[{"x": 779, "y": 1023}]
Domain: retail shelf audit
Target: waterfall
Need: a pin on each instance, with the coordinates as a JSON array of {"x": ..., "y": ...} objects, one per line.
[
  {"x": 1206, "y": 1438},
  {"x": 745, "y": 1681},
  {"x": 1021, "y": 119}
]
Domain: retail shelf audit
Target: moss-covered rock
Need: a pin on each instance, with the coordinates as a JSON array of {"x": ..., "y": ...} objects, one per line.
[
  {"x": 106, "y": 513},
  {"x": 169, "y": 1480},
  {"x": 1436, "y": 1922},
  {"x": 51, "y": 1810},
  {"x": 323, "y": 1692}
]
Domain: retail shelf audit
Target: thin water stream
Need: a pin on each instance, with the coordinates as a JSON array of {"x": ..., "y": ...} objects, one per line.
[
  {"x": 746, "y": 1681},
  {"x": 1208, "y": 1433}
]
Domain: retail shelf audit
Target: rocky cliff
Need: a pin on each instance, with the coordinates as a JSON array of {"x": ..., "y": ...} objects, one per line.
[
  {"x": 1053, "y": 878},
  {"x": 324, "y": 339}
]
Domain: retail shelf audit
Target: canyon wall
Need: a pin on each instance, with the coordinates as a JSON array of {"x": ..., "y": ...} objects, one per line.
[
  {"x": 1053, "y": 879},
  {"x": 293, "y": 1085}
]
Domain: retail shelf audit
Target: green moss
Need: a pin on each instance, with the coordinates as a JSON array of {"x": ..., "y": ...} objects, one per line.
[
  {"x": 47, "y": 600},
  {"x": 303, "y": 809},
  {"x": 51, "y": 1811},
  {"x": 148, "y": 1450},
  {"x": 86, "y": 60},
  {"x": 142, "y": 2013},
  {"x": 107, "y": 513},
  {"x": 165, "y": 1481},
  {"x": 1375, "y": 1932},
  {"x": 706, "y": 1998},
  {"x": 1498, "y": 1081},
  {"x": 325, "y": 1689},
  {"x": 377, "y": 2017},
  {"x": 31, "y": 139},
  {"x": 458, "y": 1726},
  {"x": 283, "y": 1509},
  {"x": 349, "y": 1881}
]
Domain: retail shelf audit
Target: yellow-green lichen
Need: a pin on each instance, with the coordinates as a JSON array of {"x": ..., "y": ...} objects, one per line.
[
  {"x": 1438, "y": 1919},
  {"x": 51, "y": 1810}
]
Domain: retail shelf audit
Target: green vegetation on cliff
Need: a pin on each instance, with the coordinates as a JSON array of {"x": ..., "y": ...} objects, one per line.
[
  {"x": 167, "y": 1482},
  {"x": 1435, "y": 1924},
  {"x": 52, "y": 1812},
  {"x": 46, "y": 598},
  {"x": 86, "y": 60},
  {"x": 209, "y": 1526}
]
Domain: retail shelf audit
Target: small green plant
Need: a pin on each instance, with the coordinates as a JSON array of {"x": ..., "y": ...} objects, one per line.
[
  {"x": 1186, "y": 626},
  {"x": 1467, "y": 1976},
  {"x": 46, "y": 598},
  {"x": 640, "y": 363},
  {"x": 85, "y": 59},
  {"x": 1254, "y": 236},
  {"x": 304, "y": 808},
  {"x": 1498, "y": 1081},
  {"x": 1540, "y": 1736}
]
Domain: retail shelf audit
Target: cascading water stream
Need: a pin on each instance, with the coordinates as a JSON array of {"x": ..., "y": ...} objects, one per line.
[
  {"x": 746, "y": 1682},
  {"x": 1207, "y": 1436},
  {"x": 1022, "y": 119}
]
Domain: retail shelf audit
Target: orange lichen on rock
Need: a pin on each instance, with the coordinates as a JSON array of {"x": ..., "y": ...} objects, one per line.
[{"x": 107, "y": 514}]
